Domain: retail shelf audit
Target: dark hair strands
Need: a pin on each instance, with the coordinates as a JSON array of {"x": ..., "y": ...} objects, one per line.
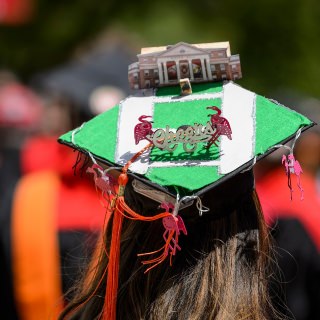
[{"x": 221, "y": 273}]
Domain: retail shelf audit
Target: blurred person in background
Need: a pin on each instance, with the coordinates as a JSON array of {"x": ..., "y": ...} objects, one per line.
[
  {"x": 20, "y": 113},
  {"x": 295, "y": 224},
  {"x": 37, "y": 222},
  {"x": 54, "y": 218}
]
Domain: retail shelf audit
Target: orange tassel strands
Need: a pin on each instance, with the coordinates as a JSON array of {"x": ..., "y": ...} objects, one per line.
[
  {"x": 110, "y": 308},
  {"x": 172, "y": 224},
  {"x": 110, "y": 305}
]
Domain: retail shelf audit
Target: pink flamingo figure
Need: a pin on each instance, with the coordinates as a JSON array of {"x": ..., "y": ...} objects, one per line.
[
  {"x": 221, "y": 124},
  {"x": 173, "y": 225},
  {"x": 142, "y": 129},
  {"x": 105, "y": 182},
  {"x": 293, "y": 167}
]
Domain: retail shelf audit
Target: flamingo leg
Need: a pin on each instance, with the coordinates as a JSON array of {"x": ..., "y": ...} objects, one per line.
[
  {"x": 300, "y": 187},
  {"x": 290, "y": 184},
  {"x": 213, "y": 140}
]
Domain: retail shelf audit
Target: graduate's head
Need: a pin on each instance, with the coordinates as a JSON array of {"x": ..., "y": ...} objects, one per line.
[{"x": 186, "y": 238}]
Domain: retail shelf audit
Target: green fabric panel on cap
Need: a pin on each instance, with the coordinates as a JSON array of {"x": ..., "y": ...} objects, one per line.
[
  {"x": 175, "y": 114},
  {"x": 179, "y": 113},
  {"x": 198, "y": 177},
  {"x": 275, "y": 123},
  {"x": 197, "y": 88},
  {"x": 98, "y": 135}
]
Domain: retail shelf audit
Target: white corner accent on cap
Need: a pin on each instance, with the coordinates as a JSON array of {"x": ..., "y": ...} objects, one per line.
[
  {"x": 238, "y": 107},
  {"x": 129, "y": 112}
]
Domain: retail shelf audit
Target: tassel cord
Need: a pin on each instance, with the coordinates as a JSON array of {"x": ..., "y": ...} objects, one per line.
[{"x": 110, "y": 304}]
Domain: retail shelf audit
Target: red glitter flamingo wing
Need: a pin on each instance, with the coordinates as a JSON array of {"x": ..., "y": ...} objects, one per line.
[
  {"x": 138, "y": 133},
  {"x": 181, "y": 225},
  {"x": 141, "y": 130},
  {"x": 297, "y": 168},
  {"x": 224, "y": 128},
  {"x": 227, "y": 124}
]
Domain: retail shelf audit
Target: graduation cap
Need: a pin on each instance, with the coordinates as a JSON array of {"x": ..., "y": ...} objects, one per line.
[
  {"x": 196, "y": 142},
  {"x": 175, "y": 149}
]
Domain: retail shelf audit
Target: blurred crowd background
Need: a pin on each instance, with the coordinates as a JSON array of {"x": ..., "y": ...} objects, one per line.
[{"x": 63, "y": 62}]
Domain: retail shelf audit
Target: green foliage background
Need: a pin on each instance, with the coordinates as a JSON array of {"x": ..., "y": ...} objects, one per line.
[{"x": 278, "y": 40}]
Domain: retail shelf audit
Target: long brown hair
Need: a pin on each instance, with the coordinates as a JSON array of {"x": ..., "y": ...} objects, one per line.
[{"x": 221, "y": 271}]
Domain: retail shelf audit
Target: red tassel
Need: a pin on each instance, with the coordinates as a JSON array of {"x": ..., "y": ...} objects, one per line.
[{"x": 110, "y": 306}]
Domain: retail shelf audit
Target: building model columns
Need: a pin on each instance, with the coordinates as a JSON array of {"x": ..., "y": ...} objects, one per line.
[
  {"x": 162, "y": 66},
  {"x": 209, "y": 69},
  {"x": 191, "y": 70},
  {"x": 163, "y": 69},
  {"x": 160, "y": 72}
]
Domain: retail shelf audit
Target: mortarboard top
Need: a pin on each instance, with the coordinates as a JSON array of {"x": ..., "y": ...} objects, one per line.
[{"x": 257, "y": 125}]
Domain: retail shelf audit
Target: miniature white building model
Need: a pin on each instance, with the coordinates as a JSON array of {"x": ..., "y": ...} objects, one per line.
[{"x": 163, "y": 66}]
